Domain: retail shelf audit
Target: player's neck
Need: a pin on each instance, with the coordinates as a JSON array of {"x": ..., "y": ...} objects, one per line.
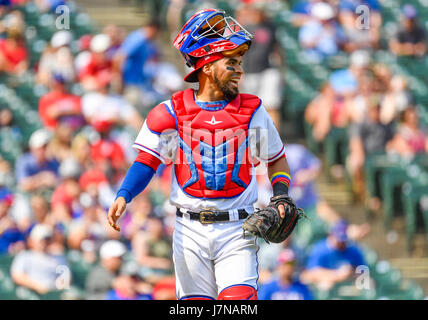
[{"x": 208, "y": 91}]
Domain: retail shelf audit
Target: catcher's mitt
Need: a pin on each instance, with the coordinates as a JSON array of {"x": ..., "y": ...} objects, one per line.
[{"x": 268, "y": 224}]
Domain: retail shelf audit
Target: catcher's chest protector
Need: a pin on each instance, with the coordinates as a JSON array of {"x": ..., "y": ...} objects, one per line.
[{"x": 213, "y": 159}]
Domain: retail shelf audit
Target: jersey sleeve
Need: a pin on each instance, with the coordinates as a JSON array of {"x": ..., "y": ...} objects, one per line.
[
  {"x": 158, "y": 135},
  {"x": 265, "y": 143}
]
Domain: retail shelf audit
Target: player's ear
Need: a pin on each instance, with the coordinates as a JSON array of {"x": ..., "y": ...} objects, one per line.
[{"x": 208, "y": 69}]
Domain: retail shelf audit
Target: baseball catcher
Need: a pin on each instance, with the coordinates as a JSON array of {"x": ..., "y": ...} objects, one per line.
[{"x": 215, "y": 136}]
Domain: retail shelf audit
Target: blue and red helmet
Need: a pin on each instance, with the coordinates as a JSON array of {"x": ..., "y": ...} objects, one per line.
[{"x": 209, "y": 31}]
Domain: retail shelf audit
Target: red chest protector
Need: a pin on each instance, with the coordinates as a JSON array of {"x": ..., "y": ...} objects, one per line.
[{"x": 213, "y": 159}]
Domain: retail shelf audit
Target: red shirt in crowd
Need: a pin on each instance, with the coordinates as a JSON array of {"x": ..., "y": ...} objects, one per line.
[
  {"x": 110, "y": 151},
  {"x": 95, "y": 68},
  {"x": 63, "y": 102},
  {"x": 13, "y": 55}
]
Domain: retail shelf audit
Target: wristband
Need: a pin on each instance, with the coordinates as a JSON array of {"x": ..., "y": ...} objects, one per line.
[{"x": 280, "y": 183}]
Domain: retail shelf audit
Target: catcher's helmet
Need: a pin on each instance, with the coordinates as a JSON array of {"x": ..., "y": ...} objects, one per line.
[{"x": 209, "y": 31}]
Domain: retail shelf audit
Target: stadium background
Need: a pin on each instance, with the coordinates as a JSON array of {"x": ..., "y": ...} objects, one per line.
[{"x": 394, "y": 248}]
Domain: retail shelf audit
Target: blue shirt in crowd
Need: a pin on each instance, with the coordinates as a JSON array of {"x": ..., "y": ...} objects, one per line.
[
  {"x": 300, "y": 158},
  {"x": 343, "y": 81},
  {"x": 9, "y": 237},
  {"x": 352, "y": 5},
  {"x": 113, "y": 295},
  {"x": 27, "y": 166},
  {"x": 325, "y": 256},
  {"x": 138, "y": 50},
  {"x": 274, "y": 290}
]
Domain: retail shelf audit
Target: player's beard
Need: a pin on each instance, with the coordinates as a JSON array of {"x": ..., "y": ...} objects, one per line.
[{"x": 228, "y": 92}]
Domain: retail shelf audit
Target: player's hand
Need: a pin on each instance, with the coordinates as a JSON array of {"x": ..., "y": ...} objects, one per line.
[
  {"x": 281, "y": 210},
  {"x": 115, "y": 211}
]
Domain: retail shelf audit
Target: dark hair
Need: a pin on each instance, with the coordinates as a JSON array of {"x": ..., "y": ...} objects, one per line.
[
  {"x": 154, "y": 23},
  {"x": 405, "y": 111}
]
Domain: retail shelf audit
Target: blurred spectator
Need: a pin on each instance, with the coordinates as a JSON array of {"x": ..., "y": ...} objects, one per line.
[
  {"x": 49, "y": 5},
  {"x": 136, "y": 220},
  {"x": 129, "y": 64},
  {"x": 301, "y": 12},
  {"x": 367, "y": 138},
  {"x": 60, "y": 106},
  {"x": 65, "y": 198},
  {"x": 106, "y": 152},
  {"x": 322, "y": 36},
  {"x": 100, "y": 280},
  {"x": 262, "y": 77},
  {"x": 332, "y": 260},
  {"x": 359, "y": 103},
  {"x": 174, "y": 15},
  {"x": 345, "y": 82},
  {"x": 37, "y": 268},
  {"x": 158, "y": 70},
  {"x": 84, "y": 56},
  {"x": 116, "y": 35},
  {"x": 285, "y": 286},
  {"x": 57, "y": 59},
  {"x": 7, "y": 178},
  {"x": 88, "y": 223},
  {"x": 410, "y": 39},
  {"x": 164, "y": 289},
  {"x": 318, "y": 112},
  {"x": 101, "y": 106},
  {"x": 39, "y": 213},
  {"x": 8, "y": 124},
  {"x": 59, "y": 147},
  {"x": 99, "y": 67},
  {"x": 152, "y": 249},
  {"x": 13, "y": 53},
  {"x": 128, "y": 287},
  {"x": 81, "y": 148},
  {"x": 4, "y": 8},
  {"x": 395, "y": 100},
  {"x": 11, "y": 238},
  {"x": 34, "y": 170},
  {"x": 382, "y": 77},
  {"x": 304, "y": 168},
  {"x": 410, "y": 139},
  {"x": 362, "y": 32}
]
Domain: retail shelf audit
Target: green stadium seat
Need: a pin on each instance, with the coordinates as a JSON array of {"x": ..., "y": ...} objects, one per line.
[
  {"x": 23, "y": 293},
  {"x": 52, "y": 295},
  {"x": 392, "y": 179},
  {"x": 336, "y": 146},
  {"x": 413, "y": 191},
  {"x": 79, "y": 268}
]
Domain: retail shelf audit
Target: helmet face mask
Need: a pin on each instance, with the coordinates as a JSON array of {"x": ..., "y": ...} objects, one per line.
[{"x": 209, "y": 31}]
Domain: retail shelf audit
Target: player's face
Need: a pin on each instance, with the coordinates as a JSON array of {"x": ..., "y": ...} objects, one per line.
[{"x": 227, "y": 73}]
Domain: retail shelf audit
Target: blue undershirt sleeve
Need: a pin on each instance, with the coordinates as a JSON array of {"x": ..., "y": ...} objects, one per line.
[{"x": 136, "y": 179}]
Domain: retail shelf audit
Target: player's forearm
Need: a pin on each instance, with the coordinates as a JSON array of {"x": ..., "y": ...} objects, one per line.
[{"x": 136, "y": 180}]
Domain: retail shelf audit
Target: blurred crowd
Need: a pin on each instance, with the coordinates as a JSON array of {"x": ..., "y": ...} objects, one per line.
[
  {"x": 365, "y": 108},
  {"x": 54, "y": 198}
]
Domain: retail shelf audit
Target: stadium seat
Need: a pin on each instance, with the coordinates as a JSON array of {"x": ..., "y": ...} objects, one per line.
[
  {"x": 413, "y": 191},
  {"x": 23, "y": 293},
  {"x": 336, "y": 146},
  {"x": 79, "y": 268}
]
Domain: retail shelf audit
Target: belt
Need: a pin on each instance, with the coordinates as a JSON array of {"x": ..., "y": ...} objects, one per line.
[{"x": 208, "y": 216}]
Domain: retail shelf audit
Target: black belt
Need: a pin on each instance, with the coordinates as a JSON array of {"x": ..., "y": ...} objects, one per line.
[{"x": 208, "y": 216}]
